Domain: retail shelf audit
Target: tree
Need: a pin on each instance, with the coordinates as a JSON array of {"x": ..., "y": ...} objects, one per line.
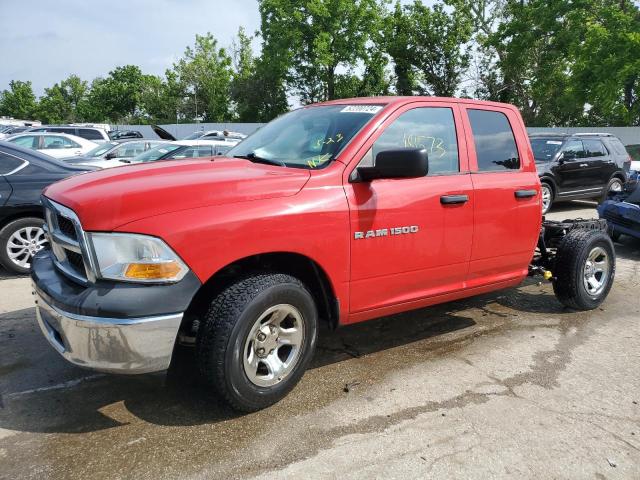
[
  {"x": 318, "y": 38},
  {"x": 59, "y": 104},
  {"x": 54, "y": 107},
  {"x": 19, "y": 101},
  {"x": 205, "y": 73},
  {"x": 115, "y": 98},
  {"x": 606, "y": 65},
  {"x": 74, "y": 90},
  {"x": 437, "y": 46},
  {"x": 243, "y": 83},
  {"x": 395, "y": 39}
]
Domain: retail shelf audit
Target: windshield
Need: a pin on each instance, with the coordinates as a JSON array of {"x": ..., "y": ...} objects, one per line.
[
  {"x": 101, "y": 149},
  {"x": 194, "y": 136},
  {"x": 156, "y": 153},
  {"x": 308, "y": 137},
  {"x": 544, "y": 149}
]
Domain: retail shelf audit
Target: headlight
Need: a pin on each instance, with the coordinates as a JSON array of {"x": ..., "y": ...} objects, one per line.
[{"x": 135, "y": 258}]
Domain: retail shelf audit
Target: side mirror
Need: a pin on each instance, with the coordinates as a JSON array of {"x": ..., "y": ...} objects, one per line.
[
  {"x": 398, "y": 163},
  {"x": 568, "y": 155},
  {"x": 110, "y": 156}
]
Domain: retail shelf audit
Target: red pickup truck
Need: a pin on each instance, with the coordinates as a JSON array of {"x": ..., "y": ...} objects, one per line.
[{"x": 338, "y": 212}]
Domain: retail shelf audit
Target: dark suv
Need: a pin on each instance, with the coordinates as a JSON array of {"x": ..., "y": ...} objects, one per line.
[{"x": 580, "y": 165}]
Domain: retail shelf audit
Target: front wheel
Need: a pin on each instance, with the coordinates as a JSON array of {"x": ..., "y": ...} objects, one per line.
[
  {"x": 257, "y": 339},
  {"x": 585, "y": 269}
]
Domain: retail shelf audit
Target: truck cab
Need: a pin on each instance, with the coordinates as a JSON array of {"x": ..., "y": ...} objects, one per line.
[{"x": 341, "y": 212}]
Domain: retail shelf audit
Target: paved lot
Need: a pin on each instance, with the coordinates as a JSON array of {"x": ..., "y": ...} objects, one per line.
[{"x": 507, "y": 385}]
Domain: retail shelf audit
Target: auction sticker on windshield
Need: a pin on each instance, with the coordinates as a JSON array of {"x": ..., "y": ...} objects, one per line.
[{"x": 361, "y": 109}]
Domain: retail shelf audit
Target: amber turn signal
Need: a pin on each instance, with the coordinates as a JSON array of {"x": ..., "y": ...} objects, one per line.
[{"x": 152, "y": 271}]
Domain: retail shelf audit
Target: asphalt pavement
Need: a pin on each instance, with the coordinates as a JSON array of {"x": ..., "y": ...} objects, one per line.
[{"x": 505, "y": 385}]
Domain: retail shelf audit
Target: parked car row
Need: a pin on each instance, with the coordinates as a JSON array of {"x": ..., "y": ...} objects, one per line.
[
  {"x": 32, "y": 160},
  {"x": 569, "y": 166}
]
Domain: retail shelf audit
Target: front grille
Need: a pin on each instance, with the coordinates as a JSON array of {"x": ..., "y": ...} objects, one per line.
[
  {"x": 75, "y": 259},
  {"x": 66, "y": 227},
  {"x": 67, "y": 241}
]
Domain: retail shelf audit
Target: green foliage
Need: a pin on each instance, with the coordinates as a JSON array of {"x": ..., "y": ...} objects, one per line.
[
  {"x": 561, "y": 63},
  {"x": 318, "y": 38},
  {"x": 60, "y": 103},
  {"x": 19, "y": 101},
  {"x": 204, "y": 75},
  {"x": 397, "y": 31},
  {"x": 438, "y": 41}
]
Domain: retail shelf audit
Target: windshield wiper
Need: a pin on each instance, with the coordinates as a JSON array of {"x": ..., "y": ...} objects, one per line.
[{"x": 252, "y": 157}]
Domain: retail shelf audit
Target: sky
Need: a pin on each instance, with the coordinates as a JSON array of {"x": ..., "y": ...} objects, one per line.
[{"x": 45, "y": 41}]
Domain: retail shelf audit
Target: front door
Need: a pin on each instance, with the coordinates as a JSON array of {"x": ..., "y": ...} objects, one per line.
[{"x": 411, "y": 238}]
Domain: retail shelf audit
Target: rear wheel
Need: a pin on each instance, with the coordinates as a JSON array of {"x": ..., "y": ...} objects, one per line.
[
  {"x": 19, "y": 242},
  {"x": 615, "y": 185},
  {"x": 585, "y": 269},
  {"x": 257, "y": 339},
  {"x": 547, "y": 197}
]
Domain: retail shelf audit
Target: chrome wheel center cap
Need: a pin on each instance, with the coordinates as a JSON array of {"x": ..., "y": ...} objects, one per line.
[{"x": 266, "y": 340}]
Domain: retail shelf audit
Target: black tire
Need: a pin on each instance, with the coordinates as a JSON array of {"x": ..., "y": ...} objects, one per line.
[
  {"x": 220, "y": 343},
  {"x": 547, "y": 186},
  {"x": 5, "y": 234},
  {"x": 615, "y": 181},
  {"x": 571, "y": 260}
]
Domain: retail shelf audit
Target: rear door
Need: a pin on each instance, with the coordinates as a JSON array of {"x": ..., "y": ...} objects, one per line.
[
  {"x": 601, "y": 164},
  {"x": 507, "y": 207},
  {"x": 411, "y": 237}
]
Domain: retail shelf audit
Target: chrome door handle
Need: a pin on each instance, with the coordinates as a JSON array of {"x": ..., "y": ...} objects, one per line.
[
  {"x": 453, "y": 199},
  {"x": 584, "y": 164},
  {"x": 525, "y": 193}
]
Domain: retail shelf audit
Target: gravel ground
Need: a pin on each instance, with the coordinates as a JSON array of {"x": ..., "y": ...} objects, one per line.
[{"x": 505, "y": 385}]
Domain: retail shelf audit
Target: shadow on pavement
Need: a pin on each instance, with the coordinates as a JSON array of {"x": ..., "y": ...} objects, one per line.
[{"x": 79, "y": 401}]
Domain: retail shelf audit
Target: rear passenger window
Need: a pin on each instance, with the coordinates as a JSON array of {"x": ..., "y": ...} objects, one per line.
[
  {"x": 90, "y": 134},
  {"x": 496, "y": 147},
  {"x": 594, "y": 148},
  {"x": 431, "y": 128},
  {"x": 9, "y": 164}
]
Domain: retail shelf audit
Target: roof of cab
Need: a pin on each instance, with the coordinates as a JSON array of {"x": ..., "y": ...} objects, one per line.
[{"x": 393, "y": 100}]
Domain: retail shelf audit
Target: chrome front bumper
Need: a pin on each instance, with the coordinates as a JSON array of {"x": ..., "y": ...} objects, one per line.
[{"x": 116, "y": 345}]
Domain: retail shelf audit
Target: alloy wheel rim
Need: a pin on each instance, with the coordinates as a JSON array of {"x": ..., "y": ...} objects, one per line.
[
  {"x": 596, "y": 271},
  {"x": 24, "y": 243},
  {"x": 546, "y": 198},
  {"x": 616, "y": 186},
  {"x": 274, "y": 344}
]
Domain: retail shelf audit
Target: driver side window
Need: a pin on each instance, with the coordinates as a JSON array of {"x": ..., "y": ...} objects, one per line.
[{"x": 431, "y": 128}]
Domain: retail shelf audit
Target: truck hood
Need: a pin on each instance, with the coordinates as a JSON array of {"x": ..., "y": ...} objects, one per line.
[{"x": 108, "y": 199}]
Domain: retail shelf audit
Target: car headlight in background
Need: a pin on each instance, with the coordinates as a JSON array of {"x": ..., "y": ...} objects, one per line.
[{"x": 135, "y": 258}]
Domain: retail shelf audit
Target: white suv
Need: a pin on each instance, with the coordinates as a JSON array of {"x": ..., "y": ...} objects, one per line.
[{"x": 93, "y": 134}]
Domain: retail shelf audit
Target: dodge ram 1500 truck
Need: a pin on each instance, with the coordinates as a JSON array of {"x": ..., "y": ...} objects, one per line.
[{"x": 338, "y": 212}]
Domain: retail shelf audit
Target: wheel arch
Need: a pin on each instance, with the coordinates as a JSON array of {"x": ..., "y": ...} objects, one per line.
[
  {"x": 551, "y": 182},
  {"x": 619, "y": 175},
  {"x": 7, "y": 219},
  {"x": 300, "y": 266}
]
